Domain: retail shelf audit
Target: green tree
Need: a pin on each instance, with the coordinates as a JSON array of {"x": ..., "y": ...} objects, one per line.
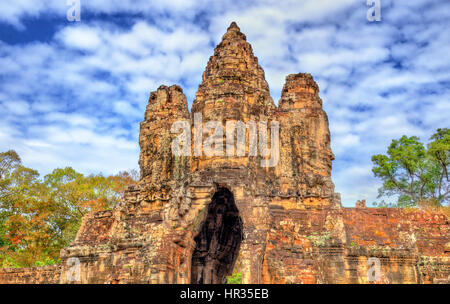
[
  {"x": 414, "y": 174},
  {"x": 71, "y": 195},
  {"x": 40, "y": 216},
  {"x": 20, "y": 215}
]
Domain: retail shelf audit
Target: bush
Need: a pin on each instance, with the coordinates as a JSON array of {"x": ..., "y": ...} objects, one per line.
[{"x": 235, "y": 278}]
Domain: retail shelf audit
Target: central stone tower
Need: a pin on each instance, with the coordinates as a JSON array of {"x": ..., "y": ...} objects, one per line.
[{"x": 196, "y": 219}]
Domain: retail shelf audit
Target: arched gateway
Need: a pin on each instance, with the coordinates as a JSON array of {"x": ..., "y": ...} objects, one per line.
[{"x": 218, "y": 242}]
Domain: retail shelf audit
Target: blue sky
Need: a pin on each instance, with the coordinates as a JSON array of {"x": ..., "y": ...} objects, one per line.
[{"x": 73, "y": 93}]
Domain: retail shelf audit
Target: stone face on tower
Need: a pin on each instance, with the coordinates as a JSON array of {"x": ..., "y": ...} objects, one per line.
[
  {"x": 233, "y": 89},
  {"x": 234, "y": 85},
  {"x": 156, "y": 161},
  {"x": 305, "y": 137},
  {"x": 165, "y": 106},
  {"x": 201, "y": 218}
]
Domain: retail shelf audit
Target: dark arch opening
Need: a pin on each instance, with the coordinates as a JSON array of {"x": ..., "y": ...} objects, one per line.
[{"x": 218, "y": 242}]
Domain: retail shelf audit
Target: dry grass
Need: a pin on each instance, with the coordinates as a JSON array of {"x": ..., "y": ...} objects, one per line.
[
  {"x": 429, "y": 209},
  {"x": 440, "y": 209}
]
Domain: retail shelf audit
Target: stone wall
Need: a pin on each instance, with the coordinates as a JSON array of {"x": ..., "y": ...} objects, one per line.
[
  {"x": 334, "y": 246},
  {"x": 300, "y": 246},
  {"x": 32, "y": 275},
  {"x": 413, "y": 245}
]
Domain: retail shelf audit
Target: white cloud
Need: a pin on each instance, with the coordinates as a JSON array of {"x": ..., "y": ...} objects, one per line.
[
  {"x": 345, "y": 142},
  {"x": 70, "y": 119},
  {"x": 18, "y": 107},
  {"x": 126, "y": 109},
  {"x": 81, "y": 37}
]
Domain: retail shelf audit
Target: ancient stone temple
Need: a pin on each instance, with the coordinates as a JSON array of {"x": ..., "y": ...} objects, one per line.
[{"x": 200, "y": 218}]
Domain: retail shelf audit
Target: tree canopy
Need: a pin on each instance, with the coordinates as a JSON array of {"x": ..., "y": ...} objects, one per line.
[
  {"x": 416, "y": 175},
  {"x": 40, "y": 216}
]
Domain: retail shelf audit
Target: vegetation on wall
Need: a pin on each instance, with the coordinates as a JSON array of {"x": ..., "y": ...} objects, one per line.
[{"x": 235, "y": 278}]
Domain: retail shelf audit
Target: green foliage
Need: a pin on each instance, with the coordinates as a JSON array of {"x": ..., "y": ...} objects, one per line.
[
  {"x": 383, "y": 204},
  {"x": 38, "y": 216},
  {"x": 439, "y": 149},
  {"x": 235, "y": 278},
  {"x": 47, "y": 262},
  {"x": 9, "y": 262},
  {"x": 414, "y": 174},
  {"x": 319, "y": 240},
  {"x": 198, "y": 219}
]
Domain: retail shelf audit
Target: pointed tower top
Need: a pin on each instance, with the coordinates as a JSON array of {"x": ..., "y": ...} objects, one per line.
[
  {"x": 233, "y": 33},
  {"x": 232, "y": 76},
  {"x": 233, "y": 25}
]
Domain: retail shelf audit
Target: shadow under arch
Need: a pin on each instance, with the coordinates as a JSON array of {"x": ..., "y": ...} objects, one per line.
[{"x": 218, "y": 242}]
